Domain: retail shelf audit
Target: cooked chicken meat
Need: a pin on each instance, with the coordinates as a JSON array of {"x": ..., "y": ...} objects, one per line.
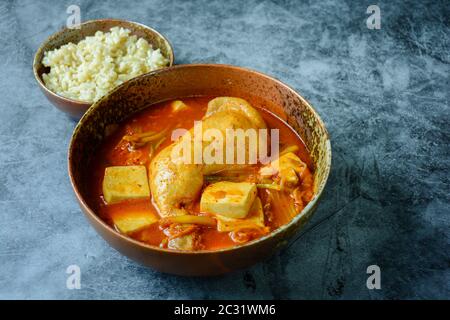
[{"x": 175, "y": 184}]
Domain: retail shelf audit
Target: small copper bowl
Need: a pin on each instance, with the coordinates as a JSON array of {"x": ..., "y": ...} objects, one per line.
[
  {"x": 76, "y": 108},
  {"x": 197, "y": 80}
]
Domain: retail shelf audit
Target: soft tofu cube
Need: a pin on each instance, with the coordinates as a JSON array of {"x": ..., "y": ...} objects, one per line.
[
  {"x": 124, "y": 183},
  {"x": 254, "y": 220},
  {"x": 229, "y": 199},
  {"x": 131, "y": 221}
]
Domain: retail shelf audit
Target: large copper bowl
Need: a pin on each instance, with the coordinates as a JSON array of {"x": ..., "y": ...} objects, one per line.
[
  {"x": 198, "y": 80},
  {"x": 76, "y": 108}
]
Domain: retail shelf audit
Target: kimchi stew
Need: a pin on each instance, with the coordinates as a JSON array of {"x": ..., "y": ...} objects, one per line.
[{"x": 169, "y": 176}]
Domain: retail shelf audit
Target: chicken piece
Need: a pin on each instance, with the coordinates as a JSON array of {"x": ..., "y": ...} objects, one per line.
[
  {"x": 175, "y": 184},
  {"x": 236, "y": 104}
]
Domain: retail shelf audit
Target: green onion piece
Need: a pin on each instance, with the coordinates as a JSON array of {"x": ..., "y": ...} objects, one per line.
[{"x": 272, "y": 186}]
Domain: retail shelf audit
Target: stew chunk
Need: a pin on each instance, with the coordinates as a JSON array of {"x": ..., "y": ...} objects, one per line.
[
  {"x": 131, "y": 221},
  {"x": 229, "y": 199},
  {"x": 124, "y": 183},
  {"x": 288, "y": 167}
]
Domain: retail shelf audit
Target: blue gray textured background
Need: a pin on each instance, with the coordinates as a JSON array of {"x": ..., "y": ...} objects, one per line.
[{"x": 384, "y": 95}]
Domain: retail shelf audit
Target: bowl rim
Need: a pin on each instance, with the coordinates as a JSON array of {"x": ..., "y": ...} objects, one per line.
[
  {"x": 300, "y": 215},
  {"x": 93, "y": 21}
]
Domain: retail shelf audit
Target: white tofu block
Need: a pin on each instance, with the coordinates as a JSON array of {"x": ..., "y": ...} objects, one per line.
[
  {"x": 132, "y": 221},
  {"x": 254, "y": 220},
  {"x": 229, "y": 199},
  {"x": 124, "y": 183}
]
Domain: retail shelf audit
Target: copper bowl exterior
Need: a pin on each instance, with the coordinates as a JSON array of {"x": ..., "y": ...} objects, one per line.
[
  {"x": 76, "y": 108},
  {"x": 187, "y": 81}
]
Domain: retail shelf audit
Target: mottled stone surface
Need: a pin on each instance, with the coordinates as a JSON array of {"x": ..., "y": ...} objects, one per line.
[{"x": 384, "y": 95}]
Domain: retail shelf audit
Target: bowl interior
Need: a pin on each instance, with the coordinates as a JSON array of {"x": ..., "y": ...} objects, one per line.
[
  {"x": 197, "y": 80},
  {"x": 89, "y": 28}
]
